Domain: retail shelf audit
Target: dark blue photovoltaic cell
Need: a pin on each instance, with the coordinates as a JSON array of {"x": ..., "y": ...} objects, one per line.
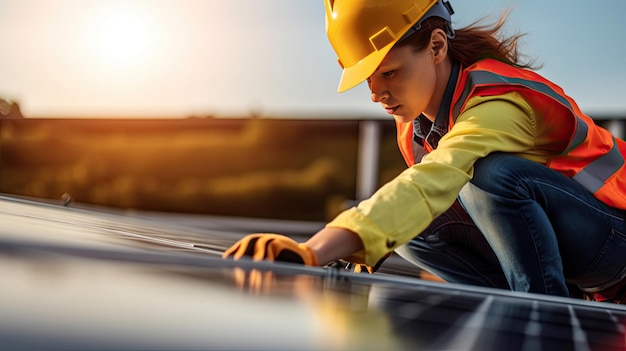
[{"x": 155, "y": 281}]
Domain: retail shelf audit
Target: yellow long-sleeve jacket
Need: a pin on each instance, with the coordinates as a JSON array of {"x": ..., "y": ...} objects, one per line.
[{"x": 404, "y": 207}]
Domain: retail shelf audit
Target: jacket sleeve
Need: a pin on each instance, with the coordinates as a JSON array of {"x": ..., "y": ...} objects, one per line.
[{"x": 405, "y": 206}]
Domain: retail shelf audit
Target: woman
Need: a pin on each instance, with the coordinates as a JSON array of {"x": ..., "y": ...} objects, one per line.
[{"x": 509, "y": 184}]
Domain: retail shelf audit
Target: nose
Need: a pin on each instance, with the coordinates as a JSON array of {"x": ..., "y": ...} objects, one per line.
[{"x": 378, "y": 91}]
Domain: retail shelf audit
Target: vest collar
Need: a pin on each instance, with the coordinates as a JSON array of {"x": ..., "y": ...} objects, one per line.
[{"x": 423, "y": 128}]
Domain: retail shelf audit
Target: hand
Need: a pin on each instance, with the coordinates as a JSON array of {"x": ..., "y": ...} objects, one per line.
[
  {"x": 360, "y": 267},
  {"x": 272, "y": 247}
]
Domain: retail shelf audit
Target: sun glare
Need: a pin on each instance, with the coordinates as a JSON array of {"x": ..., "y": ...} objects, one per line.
[{"x": 123, "y": 37}]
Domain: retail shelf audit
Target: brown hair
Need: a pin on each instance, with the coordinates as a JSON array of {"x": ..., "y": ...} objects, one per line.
[{"x": 475, "y": 42}]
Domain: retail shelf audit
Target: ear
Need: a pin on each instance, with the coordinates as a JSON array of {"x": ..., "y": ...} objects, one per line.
[{"x": 439, "y": 45}]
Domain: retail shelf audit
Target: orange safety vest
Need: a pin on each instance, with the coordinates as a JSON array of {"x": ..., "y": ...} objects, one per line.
[{"x": 594, "y": 157}]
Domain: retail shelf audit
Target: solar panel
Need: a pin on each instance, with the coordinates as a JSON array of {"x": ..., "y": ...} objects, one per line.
[{"x": 79, "y": 278}]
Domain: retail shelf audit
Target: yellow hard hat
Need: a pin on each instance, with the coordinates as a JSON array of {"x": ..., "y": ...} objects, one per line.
[{"x": 363, "y": 31}]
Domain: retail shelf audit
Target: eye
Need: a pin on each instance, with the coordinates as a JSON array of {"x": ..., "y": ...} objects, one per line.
[{"x": 388, "y": 74}]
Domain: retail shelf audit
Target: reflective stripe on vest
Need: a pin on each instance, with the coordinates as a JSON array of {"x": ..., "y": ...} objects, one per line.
[
  {"x": 592, "y": 176},
  {"x": 477, "y": 78},
  {"x": 596, "y": 173}
]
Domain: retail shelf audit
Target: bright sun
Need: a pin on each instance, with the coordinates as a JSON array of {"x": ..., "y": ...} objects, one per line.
[{"x": 122, "y": 38}]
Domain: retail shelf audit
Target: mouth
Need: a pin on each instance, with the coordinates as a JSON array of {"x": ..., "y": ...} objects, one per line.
[{"x": 391, "y": 109}]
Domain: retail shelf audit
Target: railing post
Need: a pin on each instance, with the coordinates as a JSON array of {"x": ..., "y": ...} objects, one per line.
[
  {"x": 616, "y": 127},
  {"x": 368, "y": 154}
]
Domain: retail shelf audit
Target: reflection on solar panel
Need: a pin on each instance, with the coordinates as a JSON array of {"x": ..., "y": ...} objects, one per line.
[
  {"x": 465, "y": 321},
  {"x": 81, "y": 279}
]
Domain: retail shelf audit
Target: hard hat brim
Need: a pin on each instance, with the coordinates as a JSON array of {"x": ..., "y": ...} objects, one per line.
[{"x": 355, "y": 75}]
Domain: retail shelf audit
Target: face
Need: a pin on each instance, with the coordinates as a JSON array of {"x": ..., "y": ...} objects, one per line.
[{"x": 405, "y": 83}]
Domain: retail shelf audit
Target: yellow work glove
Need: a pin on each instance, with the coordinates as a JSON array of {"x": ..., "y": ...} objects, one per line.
[
  {"x": 272, "y": 247},
  {"x": 360, "y": 267}
]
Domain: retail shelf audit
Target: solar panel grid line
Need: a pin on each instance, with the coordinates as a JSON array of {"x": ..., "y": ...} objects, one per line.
[
  {"x": 529, "y": 322},
  {"x": 505, "y": 324},
  {"x": 620, "y": 325},
  {"x": 458, "y": 321},
  {"x": 483, "y": 291},
  {"x": 557, "y": 327},
  {"x": 532, "y": 330},
  {"x": 441, "y": 320},
  {"x": 469, "y": 328},
  {"x": 565, "y": 323},
  {"x": 425, "y": 325},
  {"x": 603, "y": 328},
  {"x": 579, "y": 336},
  {"x": 502, "y": 325}
]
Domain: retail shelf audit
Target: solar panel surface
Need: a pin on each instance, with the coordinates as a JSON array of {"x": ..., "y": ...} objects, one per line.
[{"x": 78, "y": 278}]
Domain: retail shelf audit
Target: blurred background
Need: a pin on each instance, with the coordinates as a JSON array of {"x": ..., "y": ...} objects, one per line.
[{"x": 230, "y": 107}]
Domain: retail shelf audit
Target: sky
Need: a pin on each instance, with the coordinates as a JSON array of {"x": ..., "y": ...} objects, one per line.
[{"x": 178, "y": 58}]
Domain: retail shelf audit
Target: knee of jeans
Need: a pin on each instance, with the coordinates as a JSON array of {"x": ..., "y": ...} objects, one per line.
[
  {"x": 467, "y": 196},
  {"x": 418, "y": 250},
  {"x": 491, "y": 169},
  {"x": 427, "y": 241},
  {"x": 498, "y": 174}
]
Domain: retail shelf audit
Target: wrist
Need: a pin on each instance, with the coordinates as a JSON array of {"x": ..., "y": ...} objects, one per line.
[{"x": 331, "y": 244}]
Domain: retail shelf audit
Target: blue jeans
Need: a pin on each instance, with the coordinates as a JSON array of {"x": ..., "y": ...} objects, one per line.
[{"x": 526, "y": 228}]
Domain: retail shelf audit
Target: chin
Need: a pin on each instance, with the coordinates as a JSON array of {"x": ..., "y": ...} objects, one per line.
[{"x": 403, "y": 119}]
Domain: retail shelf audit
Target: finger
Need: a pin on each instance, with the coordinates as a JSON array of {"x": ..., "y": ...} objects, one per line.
[
  {"x": 268, "y": 246},
  {"x": 260, "y": 248},
  {"x": 243, "y": 247},
  {"x": 272, "y": 248},
  {"x": 231, "y": 250}
]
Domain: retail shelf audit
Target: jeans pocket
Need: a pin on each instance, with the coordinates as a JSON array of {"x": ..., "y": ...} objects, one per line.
[{"x": 608, "y": 266}]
